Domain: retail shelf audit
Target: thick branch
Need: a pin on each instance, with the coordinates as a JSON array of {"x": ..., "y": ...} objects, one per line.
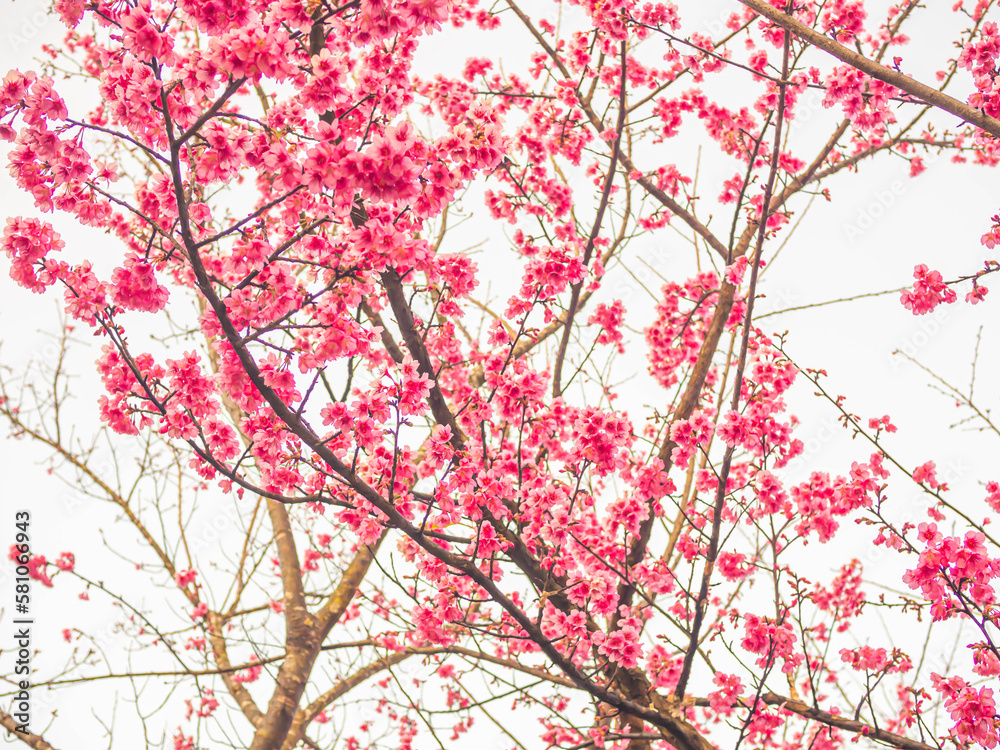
[
  {"x": 915, "y": 88},
  {"x": 723, "y": 481},
  {"x": 31, "y": 740},
  {"x": 663, "y": 713},
  {"x": 407, "y": 327},
  {"x": 689, "y": 400},
  {"x": 306, "y": 715},
  {"x": 335, "y": 606},
  {"x": 220, "y": 652},
  {"x": 836, "y": 720},
  {"x": 288, "y": 558},
  {"x": 676, "y": 208}
]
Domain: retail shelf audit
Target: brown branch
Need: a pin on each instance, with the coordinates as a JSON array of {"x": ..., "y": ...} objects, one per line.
[
  {"x": 701, "y": 603},
  {"x": 301, "y": 649},
  {"x": 31, "y": 740},
  {"x": 835, "y": 720},
  {"x": 80, "y": 465},
  {"x": 676, "y": 208},
  {"x": 336, "y": 604},
  {"x": 915, "y": 88},
  {"x": 595, "y": 230},
  {"x": 306, "y": 715},
  {"x": 643, "y": 702},
  {"x": 231, "y": 89},
  {"x": 175, "y": 673},
  {"x": 242, "y": 696},
  {"x": 288, "y": 559},
  {"x": 686, "y": 407},
  {"x": 387, "y": 341},
  {"x": 408, "y": 329}
]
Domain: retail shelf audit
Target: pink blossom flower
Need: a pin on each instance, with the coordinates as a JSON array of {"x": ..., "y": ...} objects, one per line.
[
  {"x": 725, "y": 699},
  {"x": 250, "y": 674},
  {"x": 973, "y": 711},
  {"x": 185, "y": 578},
  {"x": 928, "y": 292},
  {"x": 27, "y": 242},
  {"x": 610, "y": 319},
  {"x": 622, "y": 647},
  {"x": 134, "y": 287}
]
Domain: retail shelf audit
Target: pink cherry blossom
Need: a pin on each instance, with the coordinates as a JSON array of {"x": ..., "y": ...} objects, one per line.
[{"x": 928, "y": 292}]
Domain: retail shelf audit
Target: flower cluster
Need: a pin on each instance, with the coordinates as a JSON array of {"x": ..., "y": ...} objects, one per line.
[
  {"x": 929, "y": 290},
  {"x": 951, "y": 568},
  {"x": 980, "y": 58}
]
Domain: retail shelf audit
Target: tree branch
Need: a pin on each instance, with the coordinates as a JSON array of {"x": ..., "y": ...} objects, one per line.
[
  {"x": 835, "y": 720},
  {"x": 595, "y": 230},
  {"x": 915, "y": 88},
  {"x": 33, "y": 741}
]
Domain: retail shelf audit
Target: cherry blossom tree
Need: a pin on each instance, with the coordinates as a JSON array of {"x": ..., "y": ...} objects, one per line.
[{"x": 442, "y": 512}]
